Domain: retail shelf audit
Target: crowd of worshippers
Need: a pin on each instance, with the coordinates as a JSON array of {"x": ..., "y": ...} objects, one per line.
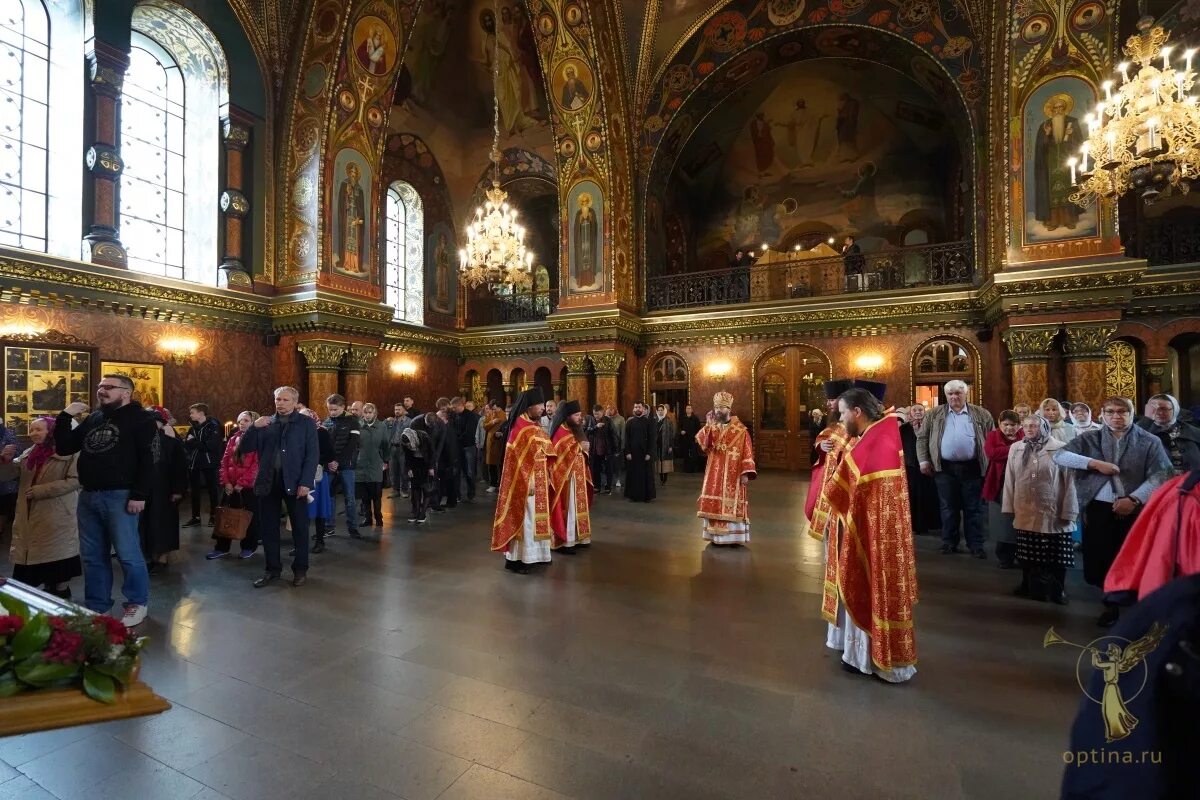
[{"x": 1041, "y": 484}]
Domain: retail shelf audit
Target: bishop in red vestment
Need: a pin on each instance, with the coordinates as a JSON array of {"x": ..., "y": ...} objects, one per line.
[
  {"x": 1163, "y": 544},
  {"x": 570, "y": 479},
  {"x": 521, "y": 529},
  {"x": 724, "y": 507},
  {"x": 869, "y": 601}
]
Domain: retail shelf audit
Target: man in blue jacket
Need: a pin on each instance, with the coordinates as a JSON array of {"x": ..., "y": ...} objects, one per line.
[{"x": 288, "y": 450}]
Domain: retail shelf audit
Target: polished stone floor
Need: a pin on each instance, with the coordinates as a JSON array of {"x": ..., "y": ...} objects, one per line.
[{"x": 649, "y": 667}]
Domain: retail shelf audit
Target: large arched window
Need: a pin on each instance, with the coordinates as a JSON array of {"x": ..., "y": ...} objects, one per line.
[
  {"x": 175, "y": 91},
  {"x": 403, "y": 273}
]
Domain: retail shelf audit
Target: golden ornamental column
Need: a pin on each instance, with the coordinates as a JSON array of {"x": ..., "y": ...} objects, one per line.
[
  {"x": 102, "y": 245},
  {"x": 324, "y": 359},
  {"x": 1029, "y": 351},
  {"x": 1154, "y": 372},
  {"x": 1086, "y": 347},
  {"x": 235, "y": 206},
  {"x": 577, "y": 377},
  {"x": 608, "y": 367},
  {"x": 358, "y": 357}
]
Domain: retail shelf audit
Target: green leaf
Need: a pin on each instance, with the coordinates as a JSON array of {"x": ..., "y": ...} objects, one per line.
[
  {"x": 39, "y": 673},
  {"x": 14, "y": 606},
  {"x": 99, "y": 686},
  {"x": 119, "y": 669},
  {"x": 9, "y": 685},
  {"x": 31, "y": 638}
]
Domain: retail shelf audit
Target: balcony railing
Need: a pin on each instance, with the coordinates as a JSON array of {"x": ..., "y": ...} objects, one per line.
[
  {"x": 510, "y": 309},
  {"x": 1163, "y": 242},
  {"x": 947, "y": 264}
]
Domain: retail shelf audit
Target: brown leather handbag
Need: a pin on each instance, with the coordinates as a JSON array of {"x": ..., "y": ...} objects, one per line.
[{"x": 232, "y": 523}]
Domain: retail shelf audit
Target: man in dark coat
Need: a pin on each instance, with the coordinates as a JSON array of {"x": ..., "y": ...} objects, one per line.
[
  {"x": 641, "y": 436},
  {"x": 204, "y": 446},
  {"x": 158, "y": 524},
  {"x": 602, "y": 444},
  {"x": 689, "y": 426}
]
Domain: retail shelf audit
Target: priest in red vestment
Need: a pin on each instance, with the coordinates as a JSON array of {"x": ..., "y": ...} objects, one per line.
[
  {"x": 521, "y": 528},
  {"x": 723, "y": 507},
  {"x": 1163, "y": 544},
  {"x": 570, "y": 480},
  {"x": 869, "y": 601},
  {"x": 830, "y": 446}
]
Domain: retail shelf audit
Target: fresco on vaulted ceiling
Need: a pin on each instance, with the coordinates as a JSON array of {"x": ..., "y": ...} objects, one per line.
[
  {"x": 674, "y": 19},
  {"x": 830, "y": 145},
  {"x": 447, "y": 74}
]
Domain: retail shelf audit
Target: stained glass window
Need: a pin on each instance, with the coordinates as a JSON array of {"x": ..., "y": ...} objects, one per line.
[
  {"x": 152, "y": 147},
  {"x": 403, "y": 272},
  {"x": 24, "y": 117}
]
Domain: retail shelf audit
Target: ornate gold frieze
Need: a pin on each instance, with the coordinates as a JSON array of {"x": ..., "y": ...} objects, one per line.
[
  {"x": 321, "y": 355},
  {"x": 576, "y": 363},
  {"x": 607, "y": 363},
  {"x": 1029, "y": 343},
  {"x": 1088, "y": 341},
  {"x": 358, "y": 358}
]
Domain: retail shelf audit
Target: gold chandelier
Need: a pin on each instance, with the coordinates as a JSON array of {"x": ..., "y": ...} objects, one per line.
[
  {"x": 1144, "y": 134},
  {"x": 495, "y": 254}
]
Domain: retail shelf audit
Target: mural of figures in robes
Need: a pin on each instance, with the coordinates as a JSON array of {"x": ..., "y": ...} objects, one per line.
[
  {"x": 352, "y": 220},
  {"x": 587, "y": 237},
  {"x": 500, "y": 46},
  {"x": 1053, "y": 133},
  {"x": 573, "y": 84},
  {"x": 374, "y": 45},
  {"x": 431, "y": 33},
  {"x": 439, "y": 265}
]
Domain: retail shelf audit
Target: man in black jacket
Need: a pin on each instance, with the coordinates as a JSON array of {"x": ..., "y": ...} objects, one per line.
[
  {"x": 640, "y": 433},
  {"x": 602, "y": 445},
  {"x": 288, "y": 453},
  {"x": 204, "y": 447},
  {"x": 447, "y": 454},
  {"x": 344, "y": 430},
  {"x": 466, "y": 421},
  {"x": 116, "y": 469}
]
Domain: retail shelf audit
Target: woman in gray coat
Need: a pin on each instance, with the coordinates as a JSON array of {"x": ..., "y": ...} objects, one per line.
[
  {"x": 374, "y": 448},
  {"x": 664, "y": 444}
]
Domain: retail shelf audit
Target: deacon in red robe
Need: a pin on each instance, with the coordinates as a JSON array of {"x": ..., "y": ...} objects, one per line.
[
  {"x": 869, "y": 601},
  {"x": 570, "y": 480},
  {"x": 724, "y": 507},
  {"x": 1163, "y": 544},
  {"x": 521, "y": 528},
  {"x": 830, "y": 446}
]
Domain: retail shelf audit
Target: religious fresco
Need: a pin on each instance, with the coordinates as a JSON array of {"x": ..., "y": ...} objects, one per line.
[
  {"x": 585, "y": 246},
  {"x": 374, "y": 46},
  {"x": 823, "y": 145},
  {"x": 441, "y": 268},
  {"x": 573, "y": 84},
  {"x": 674, "y": 19},
  {"x": 352, "y": 216},
  {"x": 1053, "y": 131}
]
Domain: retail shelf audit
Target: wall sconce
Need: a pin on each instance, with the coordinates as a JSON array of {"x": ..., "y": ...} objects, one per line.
[
  {"x": 868, "y": 364},
  {"x": 404, "y": 367},
  {"x": 180, "y": 350},
  {"x": 21, "y": 329},
  {"x": 719, "y": 369}
]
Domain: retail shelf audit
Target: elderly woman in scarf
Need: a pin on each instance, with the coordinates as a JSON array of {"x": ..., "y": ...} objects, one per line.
[
  {"x": 1052, "y": 411},
  {"x": 923, "y": 503},
  {"x": 1082, "y": 414},
  {"x": 1040, "y": 495},
  {"x": 996, "y": 446},
  {"x": 1179, "y": 439},
  {"x": 45, "y": 541}
]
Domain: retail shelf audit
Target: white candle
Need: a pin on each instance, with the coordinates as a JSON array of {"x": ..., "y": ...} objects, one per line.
[
  {"x": 1108, "y": 90},
  {"x": 1187, "y": 59},
  {"x": 1112, "y": 144},
  {"x": 1071, "y": 164},
  {"x": 1123, "y": 67},
  {"x": 1151, "y": 124},
  {"x": 1166, "y": 57},
  {"x": 1083, "y": 151}
]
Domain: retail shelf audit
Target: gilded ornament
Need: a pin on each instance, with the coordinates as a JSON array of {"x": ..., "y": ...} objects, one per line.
[
  {"x": 576, "y": 363},
  {"x": 1029, "y": 343},
  {"x": 358, "y": 358},
  {"x": 323, "y": 356},
  {"x": 104, "y": 162},
  {"x": 236, "y": 136},
  {"x": 234, "y": 203},
  {"x": 1120, "y": 370},
  {"x": 607, "y": 363},
  {"x": 1088, "y": 341}
]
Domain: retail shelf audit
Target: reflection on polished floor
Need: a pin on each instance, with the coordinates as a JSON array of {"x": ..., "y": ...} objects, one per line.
[{"x": 649, "y": 667}]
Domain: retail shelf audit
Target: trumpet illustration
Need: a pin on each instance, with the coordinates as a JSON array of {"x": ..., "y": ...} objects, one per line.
[{"x": 1113, "y": 661}]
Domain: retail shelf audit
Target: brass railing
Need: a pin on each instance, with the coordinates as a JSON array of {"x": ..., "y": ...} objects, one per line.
[
  {"x": 947, "y": 264},
  {"x": 509, "y": 309}
]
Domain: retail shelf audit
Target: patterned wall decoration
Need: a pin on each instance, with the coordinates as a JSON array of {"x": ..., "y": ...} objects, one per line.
[
  {"x": 1059, "y": 53},
  {"x": 1120, "y": 377},
  {"x": 691, "y": 89},
  {"x": 407, "y": 158},
  {"x": 515, "y": 163}
]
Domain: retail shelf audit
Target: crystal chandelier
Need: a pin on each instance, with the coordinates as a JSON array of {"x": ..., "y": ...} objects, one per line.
[
  {"x": 495, "y": 254},
  {"x": 1144, "y": 135}
]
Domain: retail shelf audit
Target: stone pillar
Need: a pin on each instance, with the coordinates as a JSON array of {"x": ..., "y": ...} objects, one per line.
[
  {"x": 234, "y": 204},
  {"x": 608, "y": 367},
  {"x": 577, "y": 378},
  {"x": 1028, "y": 349},
  {"x": 324, "y": 359},
  {"x": 358, "y": 357},
  {"x": 102, "y": 245},
  {"x": 1155, "y": 373},
  {"x": 1087, "y": 362}
]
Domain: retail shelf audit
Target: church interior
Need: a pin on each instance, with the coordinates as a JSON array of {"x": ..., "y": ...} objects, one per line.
[{"x": 222, "y": 197}]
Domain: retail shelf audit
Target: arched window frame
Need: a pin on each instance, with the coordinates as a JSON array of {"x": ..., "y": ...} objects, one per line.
[
  {"x": 404, "y": 236},
  {"x": 53, "y": 225}
]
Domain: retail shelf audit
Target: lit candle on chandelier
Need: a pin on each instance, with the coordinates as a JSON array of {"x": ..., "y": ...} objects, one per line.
[
  {"x": 1151, "y": 124},
  {"x": 1071, "y": 164},
  {"x": 1187, "y": 60},
  {"x": 1108, "y": 90},
  {"x": 1123, "y": 68},
  {"x": 1112, "y": 146},
  {"x": 1083, "y": 152},
  {"x": 1166, "y": 57}
]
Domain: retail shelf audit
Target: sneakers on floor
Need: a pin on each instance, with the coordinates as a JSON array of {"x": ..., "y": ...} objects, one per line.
[
  {"x": 246, "y": 554},
  {"x": 215, "y": 554},
  {"x": 491, "y": 490},
  {"x": 191, "y": 523},
  {"x": 134, "y": 615}
]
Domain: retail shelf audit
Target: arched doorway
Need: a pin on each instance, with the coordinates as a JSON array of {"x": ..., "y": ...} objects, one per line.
[
  {"x": 667, "y": 382},
  {"x": 938, "y": 361},
  {"x": 517, "y": 382},
  {"x": 787, "y": 386},
  {"x": 1183, "y": 365},
  {"x": 495, "y": 387},
  {"x": 541, "y": 379}
]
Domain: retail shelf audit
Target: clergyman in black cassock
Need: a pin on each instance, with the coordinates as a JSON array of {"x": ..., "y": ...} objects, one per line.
[{"x": 640, "y": 438}]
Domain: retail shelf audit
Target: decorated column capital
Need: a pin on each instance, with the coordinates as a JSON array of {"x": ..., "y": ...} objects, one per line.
[
  {"x": 234, "y": 134},
  {"x": 1029, "y": 343},
  {"x": 358, "y": 357},
  {"x": 106, "y": 69},
  {"x": 576, "y": 363},
  {"x": 1088, "y": 341},
  {"x": 607, "y": 363},
  {"x": 322, "y": 356}
]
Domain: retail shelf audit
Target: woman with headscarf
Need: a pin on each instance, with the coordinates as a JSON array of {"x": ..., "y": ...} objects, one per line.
[
  {"x": 1179, "y": 439},
  {"x": 922, "y": 490},
  {"x": 45, "y": 538},
  {"x": 1081, "y": 413},
  {"x": 158, "y": 524},
  {"x": 996, "y": 446},
  {"x": 1052, "y": 411},
  {"x": 1040, "y": 495}
]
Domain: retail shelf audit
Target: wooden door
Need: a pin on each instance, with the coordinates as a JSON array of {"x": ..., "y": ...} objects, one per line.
[{"x": 789, "y": 386}]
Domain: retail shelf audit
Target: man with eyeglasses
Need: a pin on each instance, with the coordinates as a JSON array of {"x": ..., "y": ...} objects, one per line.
[
  {"x": 1118, "y": 468},
  {"x": 116, "y": 469}
]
